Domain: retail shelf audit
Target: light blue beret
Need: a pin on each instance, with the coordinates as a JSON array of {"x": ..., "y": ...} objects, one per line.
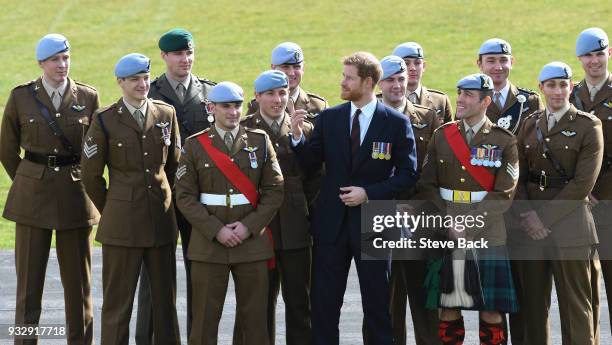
[
  {"x": 392, "y": 65},
  {"x": 591, "y": 40},
  {"x": 287, "y": 53},
  {"x": 226, "y": 92},
  {"x": 131, "y": 64},
  {"x": 555, "y": 70},
  {"x": 478, "y": 81},
  {"x": 269, "y": 80},
  {"x": 50, "y": 45},
  {"x": 495, "y": 46},
  {"x": 409, "y": 50}
]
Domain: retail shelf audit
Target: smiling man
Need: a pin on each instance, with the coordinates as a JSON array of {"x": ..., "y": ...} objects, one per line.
[
  {"x": 187, "y": 93},
  {"x": 288, "y": 57},
  {"x": 594, "y": 94},
  {"x": 417, "y": 93},
  {"x": 47, "y": 118},
  {"x": 511, "y": 104},
  {"x": 560, "y": 151},
  {"x": 292, "y": 241},
  {"x": 138, "y": 140}
]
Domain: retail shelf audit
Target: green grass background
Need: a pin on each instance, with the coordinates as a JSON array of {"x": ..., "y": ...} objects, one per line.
[{"x": 234, "y": 39}]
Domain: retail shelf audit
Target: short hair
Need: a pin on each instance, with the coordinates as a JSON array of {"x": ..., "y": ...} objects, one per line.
[
  {"x": 485, "y": 93},
  {"x": 367, "y": 65}
]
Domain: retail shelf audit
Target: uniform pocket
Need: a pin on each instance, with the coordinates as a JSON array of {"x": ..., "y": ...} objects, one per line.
[
  {"x": 29, "y": 129},
  {"x": 31, "y": 170},
  {"x": 118, "y": 151},
  {"x": 120, "y": 192}
]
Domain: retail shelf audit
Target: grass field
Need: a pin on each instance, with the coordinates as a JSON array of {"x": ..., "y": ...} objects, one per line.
[{"x": 234, "y": 39}]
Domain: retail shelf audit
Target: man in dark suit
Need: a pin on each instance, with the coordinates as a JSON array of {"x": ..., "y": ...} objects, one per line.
[{"x": 343, "y": 138}]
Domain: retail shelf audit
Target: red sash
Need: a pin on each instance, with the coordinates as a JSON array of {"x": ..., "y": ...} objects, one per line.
[
  {"x": 236, "y": 177},
  {"x": 463, "y": 153}
]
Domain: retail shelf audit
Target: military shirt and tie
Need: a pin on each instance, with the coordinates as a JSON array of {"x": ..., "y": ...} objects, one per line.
[
  {"x": 511, "y": 105},
  {"x": 46, "y": 194},
  {"x": 140, "y": 147}
]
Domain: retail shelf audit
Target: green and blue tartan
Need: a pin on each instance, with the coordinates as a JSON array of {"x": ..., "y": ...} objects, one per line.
[{"x": 495, "y": 281}]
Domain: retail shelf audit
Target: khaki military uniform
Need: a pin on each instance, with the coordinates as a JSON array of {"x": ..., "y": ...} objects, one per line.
[
  {"x": 601, "y": 106},
  {"x": 192, "y": 117},
  {"x": 407, "y": 276},
  {"x": 198, "y": 178},
  {"x": 292, "y": 240},
  {"x": 138, "y": 223},
  {"x": 44, "y": 197},
  {"x": 439, "y": 102},
  {"x": 513, "y": 112},
  {"x": 576, "y": 142},
  {"x": 312, "y": 103}
]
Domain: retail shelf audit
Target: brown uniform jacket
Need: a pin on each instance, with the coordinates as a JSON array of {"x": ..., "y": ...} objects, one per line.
[
  {"x": 439, "y": 102},
  {"x": 136, "y": 207},
  {"x": 41, "y": 196},
  {"x": 294, "y": 224},
  {"x": 312, "y": 103},
  {"x": 197, "y": 174},
  {"x": 443, "y": 169},
  {"x": 576, "y": 142},
  {"x": 191, "y": 114},
  {"x": 512, "y": 108},
  {"x": 602, "y": 108}
]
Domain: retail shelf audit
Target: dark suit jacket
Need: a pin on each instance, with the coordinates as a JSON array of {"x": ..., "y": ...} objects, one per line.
[{"x": 382, "y": 179}]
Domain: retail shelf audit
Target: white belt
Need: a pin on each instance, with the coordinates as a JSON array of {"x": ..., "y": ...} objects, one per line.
[
  {"x": 460, "y": 196},
  {"x": 229, "y": 200}
]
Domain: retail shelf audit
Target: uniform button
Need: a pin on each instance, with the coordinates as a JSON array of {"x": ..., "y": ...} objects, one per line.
[
  {"x": 56, "y": 169},
  {"x": 441, "y": 160},
  {"x": 58, "y": 114},
  {"x": 543, "y": 155},
  {"x": 566, "y": 147},
  {"x": 485, "y": 213},
  {"x": 276, "y": 144},
  {"x": 206, "y": 165},
  {"x": 421, "y": 138},
  {"x": 547, "y": 140},
  {"x": 232, "y": 159},
  {"x": 462, "y": 167},
  {"x": 119, "y": 144},
  {"x": 147, "y": 170},
  {"x": 146, "y": 153},
  {"x": 80, "y": 120},
  {"x": 526, "y": 146},
  {"x": 231, "y": 190},
  {"x": 149, "y": 186},
  {"x": 462, "y": 180},
  {"x": 31, "y": 120},
  {"x": 609, "y": 117},
  {"x": 144, "y": 136},
  {"x": 55, "y": 150}
]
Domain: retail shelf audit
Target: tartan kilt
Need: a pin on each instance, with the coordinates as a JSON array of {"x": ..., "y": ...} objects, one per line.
[
  {"x": 498, "y": 292},
  {"x": 496, "y": 280}
]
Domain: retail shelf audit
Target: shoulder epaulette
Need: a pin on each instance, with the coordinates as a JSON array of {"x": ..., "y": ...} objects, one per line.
[
  {"x": 28, "y": 83},
  {"x": 85, "y": 85},
  {"x": 157, "y": 101},
  {"x": 206, "y": 81},
  {"x": 436, "y": 91},
  {"x": 419, "y": 106},
  {"x": 592, "y": 117},
  {"x": 507, "y": 131},
  {"x": 531, "y": 92},
  {"x": 198, "y": 133},
  {"x": 101, "y": 110},
  {"x": 247, "y": 118},
  {"x": 445, "y": 125},
  {"x": 255, "y": 130},
  {"x": 314, "y": 95}
]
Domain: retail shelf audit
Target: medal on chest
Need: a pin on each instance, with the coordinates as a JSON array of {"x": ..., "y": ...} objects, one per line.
[
  {"x": 381, "y": 150},
  {"x": 486, "y": 155},
  {"x": 165, "y": 132},
  {"x": 252, "y": 156}
]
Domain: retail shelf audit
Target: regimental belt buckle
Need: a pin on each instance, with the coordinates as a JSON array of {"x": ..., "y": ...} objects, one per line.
[
  {"x": 52, "y": 162},
  {"x": 543, "y": 181},
  {"x": 461, "y": 196}
]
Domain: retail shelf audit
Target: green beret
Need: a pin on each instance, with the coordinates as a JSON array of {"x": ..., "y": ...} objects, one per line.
[{"x": 175, "y": 40}]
